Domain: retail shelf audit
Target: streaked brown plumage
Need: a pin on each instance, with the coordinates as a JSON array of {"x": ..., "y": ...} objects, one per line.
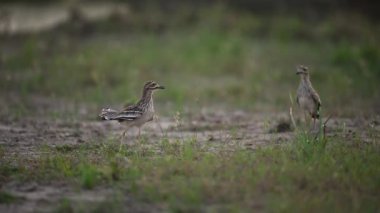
[
  {"x": 307, "y": 98},
  {"x": 137, "y": 114}
]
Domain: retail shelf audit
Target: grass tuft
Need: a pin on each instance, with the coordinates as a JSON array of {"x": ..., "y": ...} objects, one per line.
[
  {"x": 6, "y": 198},
  {"x": 89, "y": 176}
]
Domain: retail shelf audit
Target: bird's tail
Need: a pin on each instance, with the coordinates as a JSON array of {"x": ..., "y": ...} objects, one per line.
[{"x": 108, "y": 114}]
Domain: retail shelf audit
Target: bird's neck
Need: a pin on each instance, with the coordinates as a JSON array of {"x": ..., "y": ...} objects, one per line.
[
  {"x": 147, "y": 101},
  {"x": 147, "y": 95},
  {"x": 305, "y": 79}
]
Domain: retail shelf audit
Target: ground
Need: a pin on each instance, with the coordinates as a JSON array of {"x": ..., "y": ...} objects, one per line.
[{"x": 29, "y": 143}]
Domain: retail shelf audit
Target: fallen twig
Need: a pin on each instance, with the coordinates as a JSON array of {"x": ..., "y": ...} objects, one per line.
[
  {"x": 323, "y": 128},
  {"x": 291, "y": 111},
  {"x": 292, "y": 117}
]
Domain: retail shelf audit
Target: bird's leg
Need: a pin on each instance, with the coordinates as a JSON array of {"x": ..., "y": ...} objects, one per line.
[
  {"x": 139, "y": 133},
  {"x": 123, "y": 135},
  {"x": 305, "y": 117},
  {"x": 311, "y": 125},
  {"x": 159, "y": 125}
]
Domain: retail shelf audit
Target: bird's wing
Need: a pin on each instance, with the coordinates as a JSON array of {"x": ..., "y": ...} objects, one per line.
[
  {"x": 130, "y": 113},
  {"x": 315, "y": 97},
  {"x": 131, "y": 107}
]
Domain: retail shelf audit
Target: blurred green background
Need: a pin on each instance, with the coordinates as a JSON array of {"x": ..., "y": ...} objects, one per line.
[{"x": 233, "y": 54}]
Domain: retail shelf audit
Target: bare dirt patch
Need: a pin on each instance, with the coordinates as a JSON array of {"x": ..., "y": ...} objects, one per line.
[{"x": 26, "y": 136}]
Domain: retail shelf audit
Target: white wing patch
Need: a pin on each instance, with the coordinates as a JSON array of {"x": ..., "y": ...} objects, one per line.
[{"x": 129, "y": 115}]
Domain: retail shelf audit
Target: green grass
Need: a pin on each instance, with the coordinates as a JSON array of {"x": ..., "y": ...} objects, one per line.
[
  {"x": 6, "y": 198},
  {"x": 304, "y": 175},
  {"x": 236, "y": 58},
  {"x": 64, "y": 206},
  {"x": 110, "y": 204}
]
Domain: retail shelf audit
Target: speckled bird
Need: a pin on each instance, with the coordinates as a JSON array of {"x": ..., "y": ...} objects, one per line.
[
  {"x": 307, "y": 97},
  {"x": 135, "y": 115}
]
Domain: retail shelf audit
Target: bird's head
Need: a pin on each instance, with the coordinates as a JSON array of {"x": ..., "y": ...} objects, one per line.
[
  {"x": 151, "y": 85},
  {"x": 302, "y": 70}
]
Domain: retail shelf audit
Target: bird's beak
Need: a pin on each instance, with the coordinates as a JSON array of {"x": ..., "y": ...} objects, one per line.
[
  {"x": 298, "y": 72},
  {"x": 160, "y": 87}
]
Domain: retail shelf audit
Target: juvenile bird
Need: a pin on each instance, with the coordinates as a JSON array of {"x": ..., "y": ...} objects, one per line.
[
  {"x": 137, "y": 114},
  {"x": 307, "y": 98}
]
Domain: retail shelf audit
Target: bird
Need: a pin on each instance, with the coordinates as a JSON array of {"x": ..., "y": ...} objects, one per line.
[
  {"x": 307, "y": 97},
  {"x": 135, "y": 115}
]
